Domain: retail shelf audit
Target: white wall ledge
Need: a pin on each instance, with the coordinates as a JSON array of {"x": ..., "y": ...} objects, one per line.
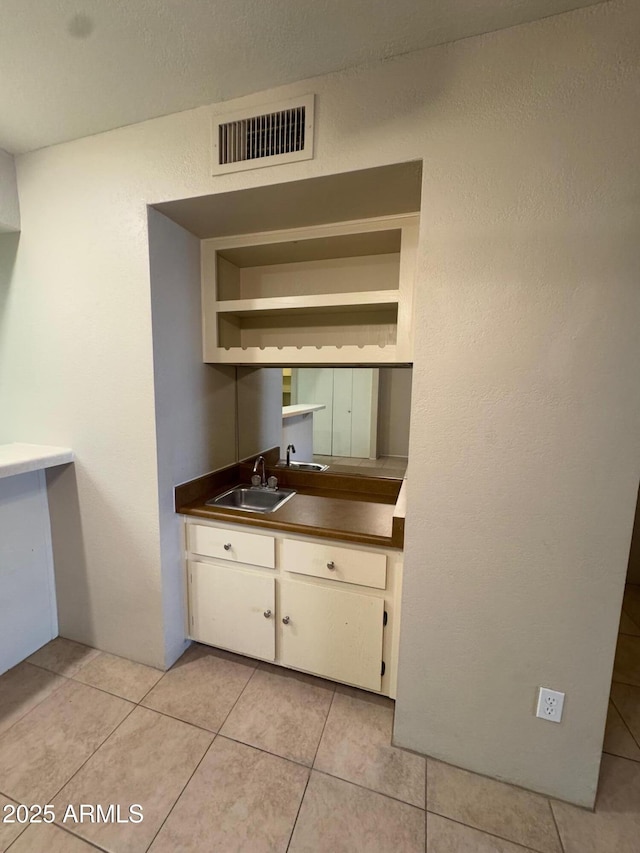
[
  {"x": 301, "y": 409},
  {"x": 18, "y": 458}
]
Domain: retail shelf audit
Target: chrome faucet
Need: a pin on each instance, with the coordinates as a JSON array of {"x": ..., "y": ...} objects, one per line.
[
  {"x": 263, "y": 478},
  {"x": 290, "y": 449}
]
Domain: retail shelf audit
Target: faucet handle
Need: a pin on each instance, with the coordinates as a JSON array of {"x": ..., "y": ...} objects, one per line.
[
  {"x": 272, "y": 482},
  {"x": 255, "y": 479}
]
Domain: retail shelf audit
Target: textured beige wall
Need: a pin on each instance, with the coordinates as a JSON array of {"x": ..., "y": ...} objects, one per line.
[
  {"x": 394, "y": 411},
  {"x": 524, "y": 442},
  {"x": 194, "y": 406},
  {"x": 259, "y": 409},
  {"x": 9, "y": 207},
  {"x": 525, "y": 434}
]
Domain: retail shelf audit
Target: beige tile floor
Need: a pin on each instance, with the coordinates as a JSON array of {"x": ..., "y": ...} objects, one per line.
[{"x": 225, "y": 754}]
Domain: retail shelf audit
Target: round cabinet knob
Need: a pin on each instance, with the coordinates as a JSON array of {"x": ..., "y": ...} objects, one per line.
[
  {"x": 285, "y": 620},
  {"x": 227, "y": 547},
  {"x": 331, "y": 566},
  {"x": 267, "y": 614}
]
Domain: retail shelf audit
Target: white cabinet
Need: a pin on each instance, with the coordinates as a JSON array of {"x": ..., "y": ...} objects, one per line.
[
  {"x": 332, "y": 633},
  {"x": 311, "y": 604},
  {"x": 233, "y": 609},
  {"x": 338, "y": 293}
]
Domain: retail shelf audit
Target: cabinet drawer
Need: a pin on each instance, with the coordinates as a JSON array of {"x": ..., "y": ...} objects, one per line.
[
  {"x": 233, "y": 545},
  {"x": 349, "y": 565}
]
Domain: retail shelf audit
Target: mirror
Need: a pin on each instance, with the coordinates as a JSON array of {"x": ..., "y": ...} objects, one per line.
[{"x": 353, "y": 419}]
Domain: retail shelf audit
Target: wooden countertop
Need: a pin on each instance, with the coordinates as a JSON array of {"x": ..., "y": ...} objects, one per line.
[{"x": 365, "y": 515}]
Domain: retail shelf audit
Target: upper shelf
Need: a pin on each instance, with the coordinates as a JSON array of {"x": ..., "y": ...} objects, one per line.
[
  {"x": 337, "y": 293},
  {"x": 330, "y": 247}
]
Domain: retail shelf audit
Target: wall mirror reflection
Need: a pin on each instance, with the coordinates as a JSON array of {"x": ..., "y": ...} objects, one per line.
[{"x": 353, "y": 419}]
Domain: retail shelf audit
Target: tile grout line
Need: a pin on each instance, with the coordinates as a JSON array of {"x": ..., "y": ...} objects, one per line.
[
  {"x": 104, "y": 690},
  {"x": 632, "y": 620},
  {"x": 85, "y": 840},
  {"x": 44, "y": 698},
  {"x": 304, "y": 793},
  {"x": 216, "y": 734},
  {"x": 292, "y": 760},
  {"x": 87, "y": 759},
  {"x": 626, "y": 683},
  {"x": 177, "y": 719},
  {"x": 627, "y": 726},
  {"x": 265, "y": 751},
  {"x": 213, "y": 740},
  {"x": 22, "y": 831},
  {"x": 526, "y": 847},
  {"x": 175, "y": 802},
  {"x": 324, "y": 726},
  {"x": 237, "y": 699},
  {"x": 555, "y": 823},
  {"x": 371, "y": 790},
  {"x": 116, "y": 695},
  {"x": 67, "y": 679},
  {"x": 92, "y": 686},
  {"x": 153, "y": 686},
  {"x": 63, "y": 829},
  {"x": 73, "y": 775},
  {"x": 611, "y": 755},
  {"x": 615, "y": 755},
  {"x": 293, "y": 827}
]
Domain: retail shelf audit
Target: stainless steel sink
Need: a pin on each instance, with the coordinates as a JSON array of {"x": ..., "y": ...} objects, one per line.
[
  {"x": 303, "y": 466},
  {"x": 252, "y": 499}
]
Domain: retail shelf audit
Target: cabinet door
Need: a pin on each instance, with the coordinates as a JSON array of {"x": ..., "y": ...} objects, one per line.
[
  {"x": 332, "y": 633},
  {"x": 228, "y": 606}
]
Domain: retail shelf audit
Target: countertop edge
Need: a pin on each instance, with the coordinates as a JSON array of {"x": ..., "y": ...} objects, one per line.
[
  {"x": 22, "y": 458},
  {"x": 235, "y": 517}
]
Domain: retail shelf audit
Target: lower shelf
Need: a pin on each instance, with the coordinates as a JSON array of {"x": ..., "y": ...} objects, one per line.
[{"x": 292, "y": 356}]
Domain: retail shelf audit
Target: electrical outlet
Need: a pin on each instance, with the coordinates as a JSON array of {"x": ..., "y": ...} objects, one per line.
[{"x": 550, "y": 704}]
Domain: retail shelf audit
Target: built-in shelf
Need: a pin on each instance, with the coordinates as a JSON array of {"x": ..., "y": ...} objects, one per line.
[
  {"x": 338, "y": 293},
  {"x": 321, "y": 302}
]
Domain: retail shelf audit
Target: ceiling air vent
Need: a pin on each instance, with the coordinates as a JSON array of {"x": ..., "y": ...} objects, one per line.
[{"x": 277, "y": 133}]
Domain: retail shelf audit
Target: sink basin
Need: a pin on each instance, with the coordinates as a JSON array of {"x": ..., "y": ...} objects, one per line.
[
  {"x": 252, "y": 499},
  {"x": 303, "y": 466}
]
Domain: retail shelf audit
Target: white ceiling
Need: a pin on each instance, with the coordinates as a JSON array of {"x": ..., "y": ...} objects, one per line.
[{"x": 70, "y": 68}]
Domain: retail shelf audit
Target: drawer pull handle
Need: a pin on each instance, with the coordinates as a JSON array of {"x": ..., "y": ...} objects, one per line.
[
  {"x": 267, "y": 614},
  {"x": 227, "y": 547},
  {"x": 331, "y": 566},
  {"x": 285, "y": 620}
]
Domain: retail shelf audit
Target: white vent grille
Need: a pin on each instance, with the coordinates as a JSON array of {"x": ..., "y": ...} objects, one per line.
[{"x": 280, "y": 133}]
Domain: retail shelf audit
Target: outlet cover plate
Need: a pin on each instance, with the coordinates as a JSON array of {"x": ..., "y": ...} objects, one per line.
[{"x": 550, "y": 704}]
